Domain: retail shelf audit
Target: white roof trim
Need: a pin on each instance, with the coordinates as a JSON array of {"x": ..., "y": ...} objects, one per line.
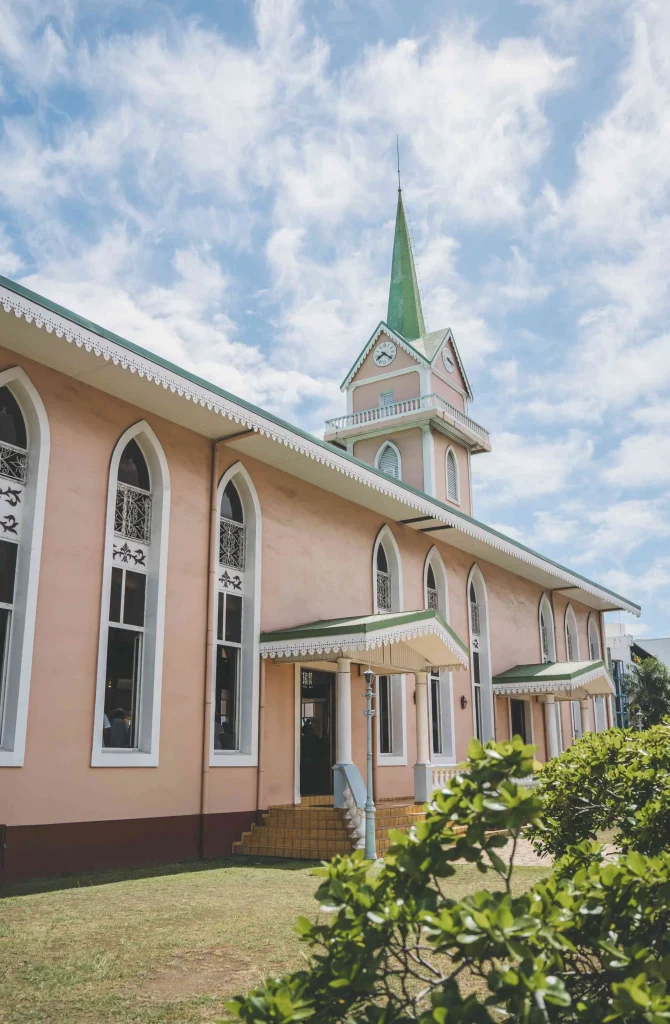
[
  {"x": 199, "y": 394},
  {"x": 563, "y": 685},
  {"x": 382, "y": 329}
]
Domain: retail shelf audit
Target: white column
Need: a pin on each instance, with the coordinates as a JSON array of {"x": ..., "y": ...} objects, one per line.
[
  {"x": 584, "y": 713},
  {"x": 343, "y": 713},
  {"x": 423, "y": 772},
  {"x": 550, "y": 711},
  {"x": 428, "y": 451}
]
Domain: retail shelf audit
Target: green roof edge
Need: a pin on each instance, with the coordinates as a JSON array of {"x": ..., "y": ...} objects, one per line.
[
  {"x": 396, "y": 334},
  {"x": 368, "y": 624},
  {"x": 333, "y": 449},
  {"x": 513, "y": 675}
]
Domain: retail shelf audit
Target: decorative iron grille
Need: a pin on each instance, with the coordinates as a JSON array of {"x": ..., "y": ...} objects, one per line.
[
  {"x": 545, "y": 640},
  {"x": 383, "y": 591},
  {"x": 570, "y": 647},
  {"x": 432, "y": 598},
  {"x": 231, "y": 543},
  {"x": 475, "y": 618},
  {"x": 132, "y": 515},
  {"x": 13, "y": 462}
]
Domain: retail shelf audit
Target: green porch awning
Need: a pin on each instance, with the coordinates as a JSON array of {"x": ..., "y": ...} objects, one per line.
[
  {"x": 392, "y": 642},
  {"x": 566, "y": 680}
]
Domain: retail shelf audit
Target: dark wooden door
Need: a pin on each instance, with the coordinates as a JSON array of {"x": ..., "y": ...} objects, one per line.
[{"x": 317, "y": 732}]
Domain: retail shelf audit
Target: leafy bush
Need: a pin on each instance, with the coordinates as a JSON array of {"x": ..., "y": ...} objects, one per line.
[
  {"x": 590, "y": 943},
  {"x": 619, "y": 779},
  {"x": 647, "y": 686}
]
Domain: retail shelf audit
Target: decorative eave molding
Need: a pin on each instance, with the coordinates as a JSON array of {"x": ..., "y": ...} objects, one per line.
[
  {"x": 199, "y": 394},
  {"x": 563, "y": 685},
  {"x": 381, "y": 329},
  {"x": 349, "y": 643}
]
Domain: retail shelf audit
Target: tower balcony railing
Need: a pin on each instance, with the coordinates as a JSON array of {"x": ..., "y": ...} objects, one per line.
[{"x": 408, "y": 405}]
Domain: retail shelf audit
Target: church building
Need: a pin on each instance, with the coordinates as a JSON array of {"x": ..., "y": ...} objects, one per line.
[{"x": 191, "y": 590}]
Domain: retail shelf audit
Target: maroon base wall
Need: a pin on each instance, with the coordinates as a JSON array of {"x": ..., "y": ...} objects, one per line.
[{"x": 43, "y": 851}]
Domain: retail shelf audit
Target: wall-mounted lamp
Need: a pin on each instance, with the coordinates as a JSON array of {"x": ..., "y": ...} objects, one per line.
[{"x": 464, "y": 702}]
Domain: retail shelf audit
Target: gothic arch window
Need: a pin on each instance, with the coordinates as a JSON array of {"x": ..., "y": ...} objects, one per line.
[
  {"x": 440, "y": 692},
  {"x": 453, "y": 482},
  {"x": 24, "y": 460},
  {"x": 391, "y": 711},
  {"x": 132, "y": 618},
  {"x": 235, "y": 676},
  {"x": 571, "y": 635},
  {"x": 482, "y": 690},
  {"x": 594, "y": 639},
  {"x": 547, "y": 635},
  {"x": 388, "y": 460}
]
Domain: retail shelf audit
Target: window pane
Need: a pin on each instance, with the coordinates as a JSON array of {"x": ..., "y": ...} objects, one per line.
[
  {"x": 133, "y": 468},
  {"x": 385, "y": 725},
  {"x": 382, "y": 564},
  {"x": 225, "y": 704},
  {"x": 8, "y": 554},
  {"x": 231, "y": 506},
  {"x": 219, "y": 617},
  {"x": 518, "y": 714},
  {"x": 115, "y": 595},
  {"x": 436, "y": 713},
  {"x": 5, "y": 620},
  {"x": 122, "y": 686},
  {"x": 12, "y": 426},
  {"x": 133, "y": 604},
  {"x": 233, "y": 618},
  {"x": 430, "y": 579}
]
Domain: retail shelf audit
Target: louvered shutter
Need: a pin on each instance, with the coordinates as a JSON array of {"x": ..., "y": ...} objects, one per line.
[
  {"x": 452, "y": 479},
  {"x": 388, "y": 462}
]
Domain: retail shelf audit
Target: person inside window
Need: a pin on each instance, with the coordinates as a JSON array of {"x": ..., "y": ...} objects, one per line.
[{"x": 118, "y": 732}]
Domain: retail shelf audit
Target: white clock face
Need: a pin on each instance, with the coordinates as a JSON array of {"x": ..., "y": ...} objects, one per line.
[
  {"x": 384, "y": 353},
  {"x": 448, "y": 360}
]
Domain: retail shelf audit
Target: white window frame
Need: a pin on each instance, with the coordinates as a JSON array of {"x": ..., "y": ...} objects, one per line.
[
  {"x": 592, "y": 628},
  {"x": 21, "y": 638},
  {"x": 457, "y": 499},
  {"x": 571, "y": 625},
  {"x": 398, "y": 685},
  {"x": 146, "y": 754},
  {"x": 545, "y": 606},
  {"x": 249, "y": 670},
  {"x": 382, "y": 396},
  {"x": 576, "y": 719},
  {"x": 447, "y": 723},
  {"x": 380, "y": 451},
  {"x": 485, "y": 676}
]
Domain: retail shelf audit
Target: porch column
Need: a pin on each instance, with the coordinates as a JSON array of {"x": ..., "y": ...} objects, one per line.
[
  {"x": 550, "y": 711},
  {"x": 423, "y": 772},
  {"x": 584, "y": 714},
  {"x": 343, "y": 726}
]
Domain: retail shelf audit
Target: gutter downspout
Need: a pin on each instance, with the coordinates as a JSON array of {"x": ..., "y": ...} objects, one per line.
[
  {"x": 261, "y": 717},
  {"x": 209, "y": 642}
]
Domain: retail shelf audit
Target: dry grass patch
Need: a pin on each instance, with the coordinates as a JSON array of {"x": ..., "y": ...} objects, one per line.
[{"x": 168, "y": 948}]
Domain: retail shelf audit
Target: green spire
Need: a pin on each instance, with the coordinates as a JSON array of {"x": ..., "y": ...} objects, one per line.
[{"x": 404, "y": 314}]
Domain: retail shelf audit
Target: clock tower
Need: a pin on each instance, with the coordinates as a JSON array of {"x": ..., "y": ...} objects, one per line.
[{"x": 408, "y": 395}]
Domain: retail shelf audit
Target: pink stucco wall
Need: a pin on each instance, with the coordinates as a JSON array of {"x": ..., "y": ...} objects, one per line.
[
  {"x": 441, "y": 444},
  {"x": 446, "y": 391},
  {"x": 405, "y": 385},
  {"x": 409, "y": 443},
  {"x": 317, "y": 550},
  {"x": 368, "y": 368}
]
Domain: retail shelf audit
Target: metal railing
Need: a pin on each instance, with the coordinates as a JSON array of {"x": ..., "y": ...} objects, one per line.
[
  {"x": 386, "y": 412},
  {"x": 13, "y": 462},
  {"x": 132, "y": 513}
]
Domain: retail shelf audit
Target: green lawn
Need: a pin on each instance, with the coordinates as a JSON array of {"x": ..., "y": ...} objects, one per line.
[{"x": 157, "y": 948}]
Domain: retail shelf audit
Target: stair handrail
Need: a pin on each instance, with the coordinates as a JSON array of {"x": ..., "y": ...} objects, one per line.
[{"x": 350, "y": 795}]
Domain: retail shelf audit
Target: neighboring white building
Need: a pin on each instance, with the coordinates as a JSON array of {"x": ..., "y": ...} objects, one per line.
[
  {"x": 659, "y": 648},
  {"x": 619, "y": 657}
]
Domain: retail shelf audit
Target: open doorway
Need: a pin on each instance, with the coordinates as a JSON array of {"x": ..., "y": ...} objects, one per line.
[{"x": 317, "y": 732}]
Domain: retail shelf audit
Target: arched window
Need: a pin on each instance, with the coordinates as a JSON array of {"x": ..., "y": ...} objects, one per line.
[
  {"x": 594, "y": 639},
  {"x": 24, "y": 458},
  {"x": 388, "y": 460},
  {"x": 440, "y": 683},
  {"x": 547, "y": 635},
  {"x": 453, "y": 488},
  {"x": 571, "y": 635},
  {"x": 391, "y": 712},
  {"x": 235, "y": 679},
  {"x": 482, "y": 691},
  {"x": 130, "y": 652}
]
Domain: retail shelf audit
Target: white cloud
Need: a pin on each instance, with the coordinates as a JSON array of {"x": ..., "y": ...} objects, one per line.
[
  {"x": 521, "y": 468},
  {"x": 640, "y": 460}
]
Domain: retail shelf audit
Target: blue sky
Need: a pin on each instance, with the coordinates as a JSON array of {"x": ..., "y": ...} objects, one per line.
[{"x": 216, "y": 181}]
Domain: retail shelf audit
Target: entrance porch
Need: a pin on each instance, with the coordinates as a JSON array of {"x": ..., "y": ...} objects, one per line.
[{"x": 328, "y": 657}]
